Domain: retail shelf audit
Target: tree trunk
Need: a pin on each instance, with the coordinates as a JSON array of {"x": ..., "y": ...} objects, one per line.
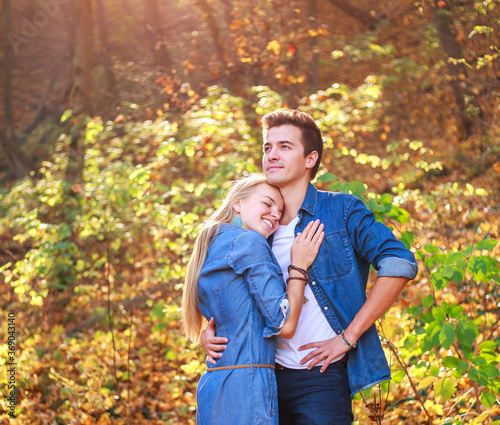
[
  {"x": 313, "y": 79},
  {"x": 156, "y": 34},
  {"x": 292, "y": 61},
  {"x": 104, "y": 49},
  {"x": 7, "y": 65},
  {"x": 83, "y": 57},
  {"x": 17, "y": 164},
  {"x": 218, "y": 41},
  {"x": 356, "y": 13},
  {"x": 82, "y": 84},
  {"x": 468, "y": 107}
]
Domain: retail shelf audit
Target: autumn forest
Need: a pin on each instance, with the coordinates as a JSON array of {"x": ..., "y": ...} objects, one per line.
[{"x": 122, "y": 120}]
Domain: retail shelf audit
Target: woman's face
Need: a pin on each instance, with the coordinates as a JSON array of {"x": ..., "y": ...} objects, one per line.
[{"x": 262, "y": 210}]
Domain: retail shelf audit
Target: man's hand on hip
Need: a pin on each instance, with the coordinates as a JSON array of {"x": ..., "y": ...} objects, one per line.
[{"x": 213, "y": 345}]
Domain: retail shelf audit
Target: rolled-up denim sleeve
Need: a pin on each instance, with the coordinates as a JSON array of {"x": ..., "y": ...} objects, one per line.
[
  {"x": 252, "y": 258},
  {"x": 397, "y": 267},
  {"x": 375, "y": 242}
]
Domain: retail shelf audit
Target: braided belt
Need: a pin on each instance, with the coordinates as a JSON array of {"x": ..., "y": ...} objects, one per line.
[{"x": 243, "y": 366}]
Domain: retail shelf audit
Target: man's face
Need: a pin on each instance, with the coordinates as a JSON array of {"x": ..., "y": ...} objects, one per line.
[{"x": 284, "y": 162}]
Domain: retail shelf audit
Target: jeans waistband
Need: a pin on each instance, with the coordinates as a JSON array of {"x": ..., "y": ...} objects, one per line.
[{"x": 280, "y": 367}]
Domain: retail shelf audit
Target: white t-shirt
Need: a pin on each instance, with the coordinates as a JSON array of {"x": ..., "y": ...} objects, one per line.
[{"x": 312, "y": 325}]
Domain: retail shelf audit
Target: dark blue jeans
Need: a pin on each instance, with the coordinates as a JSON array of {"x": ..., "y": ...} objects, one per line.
[{"x": 308, "y": 397}]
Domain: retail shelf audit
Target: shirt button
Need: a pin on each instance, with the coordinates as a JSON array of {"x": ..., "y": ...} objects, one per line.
[
  {"x": 325, "y": 308},
  {"x": 314, "y": 283}
]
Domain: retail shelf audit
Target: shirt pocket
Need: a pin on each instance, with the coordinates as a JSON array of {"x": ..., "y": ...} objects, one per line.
[{"x": 334, "y": 259}]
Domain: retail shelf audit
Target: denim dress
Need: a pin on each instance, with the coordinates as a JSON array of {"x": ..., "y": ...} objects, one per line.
[{"x": 242, "y": 288}]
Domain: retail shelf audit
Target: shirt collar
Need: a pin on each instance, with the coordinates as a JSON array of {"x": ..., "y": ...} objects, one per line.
[
  {"x": 311, "y": 200},
  {"x": 309, "y": 205}
]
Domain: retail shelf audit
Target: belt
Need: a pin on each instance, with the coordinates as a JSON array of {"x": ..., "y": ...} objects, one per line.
[
  {"x": 242, "y": 366},
  {"x": 280, "y": 367}
]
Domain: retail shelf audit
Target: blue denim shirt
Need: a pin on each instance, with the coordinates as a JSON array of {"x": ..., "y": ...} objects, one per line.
[
  {"x": 338, "y": 276},
  {"x": 241, "y": 286}
]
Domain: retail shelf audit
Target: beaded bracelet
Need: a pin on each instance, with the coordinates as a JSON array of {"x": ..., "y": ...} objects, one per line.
[
  {"x": 301, "y": 271},
  {"x": 304, "y": 279},
  {"x": 347, "y": 342}
]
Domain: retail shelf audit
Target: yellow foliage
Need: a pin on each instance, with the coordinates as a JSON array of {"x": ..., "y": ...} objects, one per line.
[
  {"x": 274, "y": 47},
  {"x": 433, "y": 408}
]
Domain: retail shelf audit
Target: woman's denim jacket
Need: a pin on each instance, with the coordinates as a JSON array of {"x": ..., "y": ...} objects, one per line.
[
  {"x": 241, "y": 286},
  {"x": 338, "y": 276}
]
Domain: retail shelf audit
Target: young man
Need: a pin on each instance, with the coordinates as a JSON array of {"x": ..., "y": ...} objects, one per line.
[{"x": 335, "y": 351}]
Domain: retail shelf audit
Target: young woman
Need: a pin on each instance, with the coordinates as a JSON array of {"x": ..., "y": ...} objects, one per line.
[{"x": 234, "y": 278}]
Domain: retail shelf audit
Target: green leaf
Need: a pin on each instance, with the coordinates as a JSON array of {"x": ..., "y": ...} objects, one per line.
[
  {"x": 426, "y": 344},
  {"x": 386, "y": 199},
  {"x": 494, "y": 385},
  {"x": 458, "y": 275},
  {"x": 415, "y": 311},
  {"x": 491, "y": 371},
  {"x": 451, "y": 362},
  {"x": 477, "y": 376},
  {"x": 328, "y": 177},
  {"x": 357, "y": 188},
  {"x": 488, "y": 346},
  {"x": 410, "y": 341},
  {"x": 456, "y": 311},
  {"x": 5, "y": 266},
  {"x": 445, "y": 387},
  {"x": 488, "y": 399},
  {"x": 398, "y": 376},
  {"x": 483, "y": 268},
  {"x": 468, "y": 353},
  {"x": 431, "y": 248},
  {"x": 466, "y": 332},
  {"x": 67, "y": 114},
  {"x": 486, "y": 244},
  {"x": 407, "y": 239},
  {"x": 439, "y": 314},
  {"x": 424, "y": 383},
  {"x": 438, "y": 281},
  {"x": 427, "y": 317},
  {"x": 398, "y": 214},
  {"x": 428, "y": 301},
  {"x": 447, "y": 335},
  {"x": 434, "y": 330}
]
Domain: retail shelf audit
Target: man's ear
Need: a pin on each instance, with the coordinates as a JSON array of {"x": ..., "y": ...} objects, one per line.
[
  {"x": 237, "y": 206},
  {"x": 311, "y": 159}
]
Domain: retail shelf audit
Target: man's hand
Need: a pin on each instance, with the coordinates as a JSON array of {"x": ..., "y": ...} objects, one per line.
[
  {"x": 327, "y": 350},
  {"x": 213, "y": 345},
  {"x": 384, "y": 293}
]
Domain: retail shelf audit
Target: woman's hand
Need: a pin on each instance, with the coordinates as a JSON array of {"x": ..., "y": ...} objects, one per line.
[{"x": 306, "y": 245}]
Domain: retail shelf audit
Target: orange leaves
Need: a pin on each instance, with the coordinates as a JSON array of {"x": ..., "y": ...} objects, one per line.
[
  {"x": 317, "y": 32},
  {"x": 496, "y": 166},
  {"x": 78, "y": 188},
  {"x": 275, "y": 47},
  {"x": 291, "y": 49},
  {"x": 188, "y": 65}
]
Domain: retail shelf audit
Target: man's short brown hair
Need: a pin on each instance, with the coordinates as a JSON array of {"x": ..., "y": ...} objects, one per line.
[{"x": 311, "y": 134}]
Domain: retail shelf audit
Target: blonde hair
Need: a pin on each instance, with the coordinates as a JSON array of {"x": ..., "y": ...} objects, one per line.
[{"x": 193, "y": 320}]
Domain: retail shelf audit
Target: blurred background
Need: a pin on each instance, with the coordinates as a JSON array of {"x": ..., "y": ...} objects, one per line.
[{"x": 120, "y": 123}]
